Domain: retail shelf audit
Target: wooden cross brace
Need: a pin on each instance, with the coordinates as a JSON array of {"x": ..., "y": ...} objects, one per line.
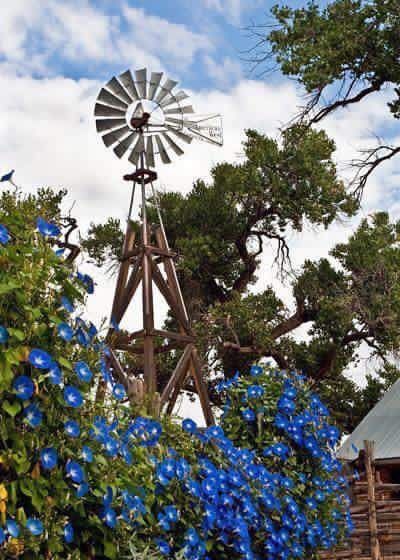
[{"x": 140, "y": 265}]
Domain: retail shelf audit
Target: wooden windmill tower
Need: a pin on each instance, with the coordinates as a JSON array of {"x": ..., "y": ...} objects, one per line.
[{"x": 144, "y": 117}]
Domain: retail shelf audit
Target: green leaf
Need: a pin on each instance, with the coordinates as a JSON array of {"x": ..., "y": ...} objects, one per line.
[
  {"x": 110, "y": 550},
  {"x": 10, "y": 286},
  {"x": 65, "y": 363},
  {"x": 12, "y": 408},
  {"x": 18, "y": 334}
]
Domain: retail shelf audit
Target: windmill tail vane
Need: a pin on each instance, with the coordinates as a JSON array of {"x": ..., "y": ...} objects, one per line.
[{"x": 143, "y": 116}]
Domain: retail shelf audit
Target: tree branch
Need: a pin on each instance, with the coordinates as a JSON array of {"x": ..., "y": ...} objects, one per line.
[
  {"x": 368, "y": 165},
  {"x": 74, "y": 250},
  {"x": 339, "y": 103}
]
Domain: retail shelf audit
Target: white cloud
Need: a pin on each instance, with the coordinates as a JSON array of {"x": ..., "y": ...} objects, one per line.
[
  {"x": 224, "y": 74},
  {"x": 34, "y": 33},
  {"x": 168, "y": 40},
  {"x": 230, "y": 9},
  {"x": 79, "y": 31}
]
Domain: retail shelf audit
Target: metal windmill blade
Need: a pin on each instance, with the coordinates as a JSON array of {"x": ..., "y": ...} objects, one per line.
[
  {"x": 180, "y": 96},
  {"x": 124, "y": 145},
  {"x": 140, "y": 114},
  {"x": 141, "y": 82},
  {"x": 177, "y": 149},
  {"x": 162, "y": 151},
  {"x": 181, "y": 135},
  {"x": 155, "y": 81},
  {"x": 150, "y": 161},
  {"x": 115, "y": 135},
  {"x": 107, "y": 124},
  {"x": 166, "y": 90},
  {"x": 115, "y": 87},
  {"x": 101, "y": 110},
  {"x": 138, "y": 149},
  {"x": 128, "y": 83},
  {"x": 110, "y": 99}
]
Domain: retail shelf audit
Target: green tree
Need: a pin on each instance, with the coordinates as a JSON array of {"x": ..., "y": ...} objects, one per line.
[
  {"x": 340, "y": 54},
  {"x": 221, "y": 230}
]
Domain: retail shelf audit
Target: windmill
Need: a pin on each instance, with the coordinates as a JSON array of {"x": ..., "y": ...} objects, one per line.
[{"x": 146, "y": 118}]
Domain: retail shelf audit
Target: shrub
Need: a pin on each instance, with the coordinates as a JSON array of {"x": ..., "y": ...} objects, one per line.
[{"x": 85, "y": 479}]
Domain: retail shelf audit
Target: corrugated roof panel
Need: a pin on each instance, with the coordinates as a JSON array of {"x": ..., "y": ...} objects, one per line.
[{"x": 381, "y": 425}]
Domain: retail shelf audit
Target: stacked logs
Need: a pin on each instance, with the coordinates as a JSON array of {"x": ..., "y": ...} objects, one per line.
[{"x": 375, "y": 512}]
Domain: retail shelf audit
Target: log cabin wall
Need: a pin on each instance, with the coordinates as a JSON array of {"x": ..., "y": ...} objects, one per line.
[{"x": 375, "y": 509}]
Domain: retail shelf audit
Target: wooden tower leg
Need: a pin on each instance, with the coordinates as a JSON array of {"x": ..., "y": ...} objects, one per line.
[{"x": 143, "y": 257}]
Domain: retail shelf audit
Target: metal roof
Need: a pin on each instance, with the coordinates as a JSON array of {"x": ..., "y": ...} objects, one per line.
[{"x": 381, "y": 425}]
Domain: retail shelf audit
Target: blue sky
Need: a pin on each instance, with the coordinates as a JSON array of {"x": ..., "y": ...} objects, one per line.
[
  {"x": 208, "y": 39},
  {"x": 56, "y": 54}
]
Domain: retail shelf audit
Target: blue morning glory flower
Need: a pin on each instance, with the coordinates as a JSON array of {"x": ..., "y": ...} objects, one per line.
[
  {"x": 47, "y": 229},
  {"x": 286, "y": 405},
  {"x": 82, "y": 337},
  {"x": 75, "y": 472},
  {"x": 8, "y": 177},
  {"x": 192, "y": 537},
  {"x": 40, "y": 359},
  {"x": 119, "y": 391},
  {"x": 4, "y": 235},
  {"x": 67, "y": 304},
  {"x": 72, "y": 396},
  {"x": 163, "y": 547},
  {"x": 48, "y": 458},
  {"x": 72, "y": 428},
  {"x": 4, "y": 335},
  {"x": 2, "y": 536},
  {"x": 92, "y": 330},
  {"x": 171, "y": 513},
  {"x": 248, "y": 415},
  {"x": 255, "y": 391},
  {"x": 34, "y": 526},
  {"x": 255, "y": 371},
  {"x": 33, "y": 415},
  {"x": 65, "y": 331},
  {"x": 68, "y": 533},
  {"x": 82, "y": 489},
  {"x": 23, "y": 387},
  {"x": 214, "y": 432},
  {"x": 12, "y": 528},
  {"x": 108, "y": 497},
  {"x": 189, "y": 426},
  {"x": 109, "y": 517},
  {"x": 112, "y": 446},
  {"x": 87, "y": 454},
  {"x": 277, "y": 449},
  {"x": 87, "y": 281},
  {"x": 83, "y": 372},
  {"x": 55, "y": 374}
]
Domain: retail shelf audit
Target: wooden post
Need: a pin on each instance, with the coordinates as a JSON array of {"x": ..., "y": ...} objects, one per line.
[{"x": 372, "y": 521}]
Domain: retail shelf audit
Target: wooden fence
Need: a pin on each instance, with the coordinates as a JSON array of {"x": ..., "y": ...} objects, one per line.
[{"x": 375, "y": 511}]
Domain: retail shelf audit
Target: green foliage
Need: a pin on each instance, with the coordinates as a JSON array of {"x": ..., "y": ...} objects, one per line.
[
  {"x": 160, "y": 468},
  {"x": 104, "y": 241},
  {"x": 349, "y": 40},
  {"x": 340, "y": 53},
  {"x": 221, "y": 229}
]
